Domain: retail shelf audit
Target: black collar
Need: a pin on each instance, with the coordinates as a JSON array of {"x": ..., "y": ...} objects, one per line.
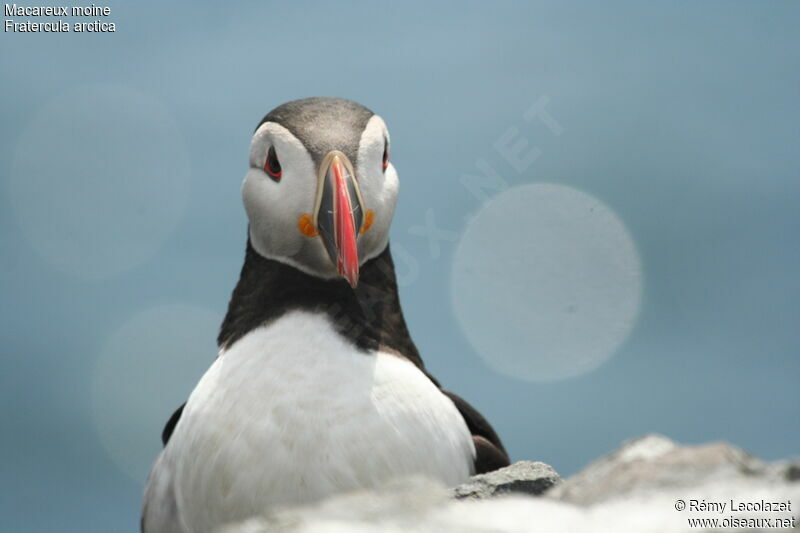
[{"x": 369, "y": 316}]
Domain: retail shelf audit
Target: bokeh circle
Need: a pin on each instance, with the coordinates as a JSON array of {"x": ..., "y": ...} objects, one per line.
[
  {"x": 546, "y": 282},
  {"x": 147, "y": 368},
  {"x": 99, "y": 179}
]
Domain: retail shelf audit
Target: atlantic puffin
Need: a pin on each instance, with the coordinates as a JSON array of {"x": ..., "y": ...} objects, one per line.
[{"x": 317, "y": 388}]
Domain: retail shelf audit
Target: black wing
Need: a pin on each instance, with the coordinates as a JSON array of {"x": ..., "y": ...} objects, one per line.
[
  {"x": 489, "y": 451},
  {"x": 171, "y": 423}
]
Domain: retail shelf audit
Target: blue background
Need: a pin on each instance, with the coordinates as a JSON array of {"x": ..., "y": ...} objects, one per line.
[{"x": 682, "y": 117}]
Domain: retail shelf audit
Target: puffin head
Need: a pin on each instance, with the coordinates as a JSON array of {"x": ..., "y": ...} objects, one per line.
[{"x": 320, "y": 192}]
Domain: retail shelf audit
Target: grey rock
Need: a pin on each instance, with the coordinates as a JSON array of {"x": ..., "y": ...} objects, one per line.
[
  {"x": 792, "y": 471},
  {"x": 655, "y": 462},
  {"x": 526, "y": 477},
  {"x": 633, "y": 489}
]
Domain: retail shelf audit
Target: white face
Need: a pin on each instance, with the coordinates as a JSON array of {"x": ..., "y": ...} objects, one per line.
[{"x": 281, "y": 206}]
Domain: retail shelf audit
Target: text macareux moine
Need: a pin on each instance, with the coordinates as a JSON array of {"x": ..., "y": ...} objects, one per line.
[{"x": 29, "y": 26}]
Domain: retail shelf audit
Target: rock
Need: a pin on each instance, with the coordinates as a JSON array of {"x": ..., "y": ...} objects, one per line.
[
  {"x": 654, "y": 462},
  {"x": 526, "y": 477},
  {"x": 641, "y": 487},
  {"x": 792, "y": 471}
]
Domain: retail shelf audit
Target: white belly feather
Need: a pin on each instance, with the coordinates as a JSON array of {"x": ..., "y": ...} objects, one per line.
[{"x": 292, "y": 413}]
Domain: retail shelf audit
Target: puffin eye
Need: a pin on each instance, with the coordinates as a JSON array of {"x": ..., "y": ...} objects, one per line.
[
  {"x": 385, "y": 155},
  {"x": 272, "y": 166}
]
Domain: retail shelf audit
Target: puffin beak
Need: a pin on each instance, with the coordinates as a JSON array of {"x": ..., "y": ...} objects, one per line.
[{"x": 340, "y": 215}]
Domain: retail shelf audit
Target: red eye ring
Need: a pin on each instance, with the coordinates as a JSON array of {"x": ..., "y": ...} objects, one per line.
[
  {"x": 272, "y": 166},
  {"x": 385, "y": 155}
]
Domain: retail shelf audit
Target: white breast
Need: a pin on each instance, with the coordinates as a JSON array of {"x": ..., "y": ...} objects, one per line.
[{"x": 292, "y": 413}]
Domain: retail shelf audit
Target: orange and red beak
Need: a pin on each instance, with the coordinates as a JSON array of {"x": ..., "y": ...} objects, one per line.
[{"x": 340, "y": 215}]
